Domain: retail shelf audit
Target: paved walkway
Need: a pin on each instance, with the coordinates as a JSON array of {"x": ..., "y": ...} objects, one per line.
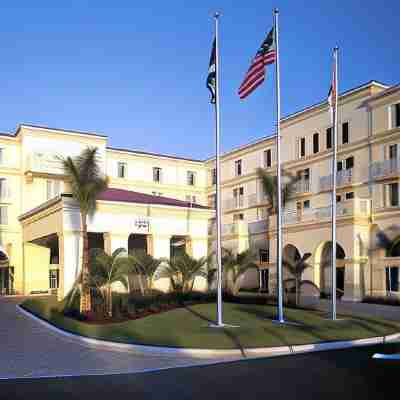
[
  {"x": 29, "y": 349},
  {"x": 375, "y": 310}
]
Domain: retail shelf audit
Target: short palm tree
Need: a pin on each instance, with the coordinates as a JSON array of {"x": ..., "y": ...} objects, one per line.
[
  {"x": 296, "y": 265},
  {"x": 182, "y": 271},
  {"x": 145, "y": 265},
  {"x": 106, "y": 270},
  {"x": 235, "y": 266},
  {"x": 87, "y": 181}
]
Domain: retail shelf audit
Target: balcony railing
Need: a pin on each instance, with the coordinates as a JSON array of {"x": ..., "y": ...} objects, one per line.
[
  {"x": 302, "y": 186},
  {"x": 384, "y": 169},
  {"x": 343, "y": 178},
  {"x": 228, "y": 229},
  {"x": 258, "y": 226},
  {"x": 243, "y": 202}
]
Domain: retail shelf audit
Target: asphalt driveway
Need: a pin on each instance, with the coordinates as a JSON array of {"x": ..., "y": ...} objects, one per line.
[{"x": 29, "y": 349}]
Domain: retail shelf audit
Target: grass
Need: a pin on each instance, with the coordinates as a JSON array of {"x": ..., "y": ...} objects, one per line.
[{"x": 188, "y": 327}]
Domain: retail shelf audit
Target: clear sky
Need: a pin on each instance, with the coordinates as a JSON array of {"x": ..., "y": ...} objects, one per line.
[{"x": 137, "y": 72}]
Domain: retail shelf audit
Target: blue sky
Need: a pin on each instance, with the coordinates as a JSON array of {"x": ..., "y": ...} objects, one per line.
[{"x": 137, "y": 72}]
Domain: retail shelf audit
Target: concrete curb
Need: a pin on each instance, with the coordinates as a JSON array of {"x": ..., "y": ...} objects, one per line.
[{"x": 259, "y": 352}]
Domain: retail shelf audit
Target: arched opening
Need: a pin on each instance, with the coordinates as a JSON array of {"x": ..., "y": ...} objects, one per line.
[
  {"x": 177, "y": 246},
  {"x": 137, "y": 242},
  {"x": 6, "y": 274},
  {"x": 325, "y": 263}
]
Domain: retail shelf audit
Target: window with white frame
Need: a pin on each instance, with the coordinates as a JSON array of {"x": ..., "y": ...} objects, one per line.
[
  {"x": 122, "y": 169},
  {"x": 345, "y": 132},
  {"x": 329, "y": 138},
  {"x": 238, "y": 196},
  {"x": 191, "y": 178},
  {"x": 3, "y": 215},
  {"x": 392, "y": 190},
  {"x": 394, "y": 116},
  {"x": 157, "y": 174},
  {"x": 53, "y": 189},
  {"x": 268, "y": 158},
  {"x": 301, "y": 147},
  {"x": 238, "y": 167},
  {"x": 315, "y": 142},
  {"x": 4, "y": 189}
]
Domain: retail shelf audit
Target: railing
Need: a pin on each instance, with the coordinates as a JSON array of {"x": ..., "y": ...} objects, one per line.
[
  {"x": 258, "y": 226},
  {"x": 343, "y": 177},
  {"x": 45, "y": 163},
  {"x": 302, "y": 186},
  {"x": 244, "y": 202},
  {"x": 387, "y": 168},
  {"x": 355, "y": 207},
  {"x": 228, "y": 229}
]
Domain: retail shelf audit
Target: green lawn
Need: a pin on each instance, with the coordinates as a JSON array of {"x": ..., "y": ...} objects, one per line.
[{"x": 188, "y": 327}]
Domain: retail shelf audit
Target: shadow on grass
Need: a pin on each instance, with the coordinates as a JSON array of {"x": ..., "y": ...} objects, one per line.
[{"x": 231, "y": 335}]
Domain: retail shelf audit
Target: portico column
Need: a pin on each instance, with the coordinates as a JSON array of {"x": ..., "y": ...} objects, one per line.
[
  {"x": 150, "y": 244},
  {"x": 70, "y": 250}
]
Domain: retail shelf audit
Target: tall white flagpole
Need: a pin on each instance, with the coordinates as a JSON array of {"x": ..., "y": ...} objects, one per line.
[
  {"x": 334, "y": 173},
  {"x": 278, "y": 172},
  {"x": 218, "y": 170}
]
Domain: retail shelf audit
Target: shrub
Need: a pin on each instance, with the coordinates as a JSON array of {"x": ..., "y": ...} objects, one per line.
[{"x": 386, "y": 300}]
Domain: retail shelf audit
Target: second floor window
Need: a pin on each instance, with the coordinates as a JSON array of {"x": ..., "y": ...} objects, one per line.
[
  {"x": 122, "y": 169},
  {"x": 345, "y": 132},
  {"x": 191, "y": 178},
  {"x": 393, "y": 194},
  {"x": 53, "y": 189},
  {"x": 316, "y": 143},
  {"x": 157, "y": 174},
  {"x": 4, "y": 188},
  {"x": 329, "y": 138},
  {"x": 238, "y": 167},
  {"x": 397, "y": 115},
  {"x": 349, "y": 195},
  {"x": 267, "y": 158},
  {"x": 3, "y": 215}
]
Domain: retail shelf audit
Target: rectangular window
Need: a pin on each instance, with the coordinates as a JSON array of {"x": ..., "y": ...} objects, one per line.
[
  {"x": 393, "y": 152},
  {"x": 238, "y": 217},
  {"x": 316, "y": 143},
  {"x": 122, "y": 168},
  {"x": 302, "y": 147},
  {"x": 238, "y": 195},
  {"x": 267, "y": 158},
  {"x": 397, "y": 115},
  {"x": 392, "y": 279},
  {"x": 339, "y": 165},
  {"x": 264, "y": 279},
  {"x": 214, "y": 176},
  {"x": 349, "y": 163},
  {"x": 263, "y": 255},
  {"x": 306, "y": 204},
  {"x": 3, "y": 215},
  {"x": 53, "y": 278},
  {"x": 157, "y": 174},
  {"x": 191, "y": 178},
  {"x": 338, "y": 198},
  {"x": 349, "y": 195},
  {"x": 329, "y": 138},
  {"x": 3, "y": 188},
  {"x": 394, "y": 194},
  {"x": 238, "y": 167},
  {"x": 53, "y": 189},
  {"x": 345, "y": 132}
]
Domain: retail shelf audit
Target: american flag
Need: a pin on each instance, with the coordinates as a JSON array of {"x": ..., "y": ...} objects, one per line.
[
  {"x": 255, "y": 75},
  {"x": 332, "y": 93}
]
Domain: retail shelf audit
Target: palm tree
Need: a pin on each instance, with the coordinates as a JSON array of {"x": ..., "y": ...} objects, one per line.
[
  {"x": 235, "y": 266},
  {"x": 270, "y": 185},
  {"x": 105, "y": 270},
  {"x": 297, "y": 264},
  {"x": 182, "y": 271},
  {"x": 144, "y": 265},
  {"x": 87, "y": 181}
]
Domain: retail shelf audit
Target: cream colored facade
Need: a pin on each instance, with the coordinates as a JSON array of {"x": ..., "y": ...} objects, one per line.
[
  {"x": 33, "y": 213},
  {"x": 368, "y": 191},
  {"x": 40, "y": 237}
]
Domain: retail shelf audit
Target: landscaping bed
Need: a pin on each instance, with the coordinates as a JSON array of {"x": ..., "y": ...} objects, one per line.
[{"x": 187, "y": 326}]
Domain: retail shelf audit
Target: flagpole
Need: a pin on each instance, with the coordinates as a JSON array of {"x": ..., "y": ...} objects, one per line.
[
  {"x": 334, "y": 177},
  {"x": 218, "y": 170},
  {"x": 278, "y": 172}
]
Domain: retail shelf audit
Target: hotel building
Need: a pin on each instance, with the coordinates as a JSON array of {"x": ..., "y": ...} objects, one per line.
[{"x": 164, "y": 203}]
